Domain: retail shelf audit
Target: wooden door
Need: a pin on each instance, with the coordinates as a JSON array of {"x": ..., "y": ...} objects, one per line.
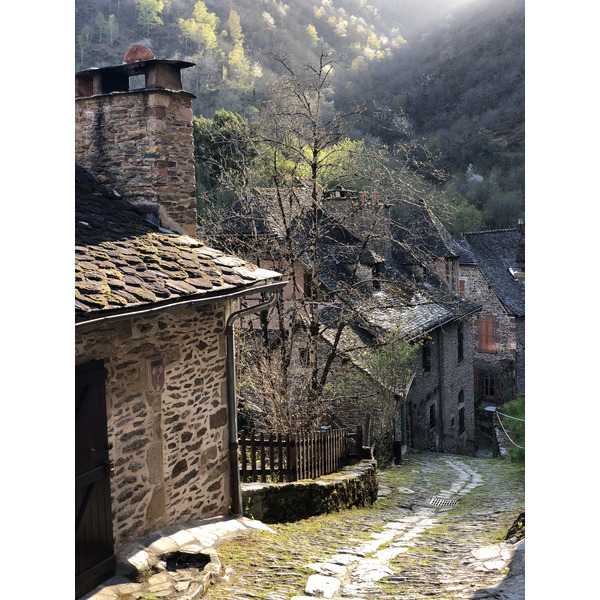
[{"x": 94, "y": 546}]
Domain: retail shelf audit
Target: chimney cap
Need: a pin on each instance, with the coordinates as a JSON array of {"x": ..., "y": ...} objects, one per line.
[
  {"x": 159, "y": 75},
  {"x": 138, "y": 67},
  {"x": 138, "y": 52}
]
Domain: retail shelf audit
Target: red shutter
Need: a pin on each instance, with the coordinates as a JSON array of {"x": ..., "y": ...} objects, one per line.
[{"x": 487, "y": 333}]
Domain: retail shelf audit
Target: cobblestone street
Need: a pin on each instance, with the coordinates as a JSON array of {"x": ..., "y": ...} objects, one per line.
[{"x": 437, "y": 531}]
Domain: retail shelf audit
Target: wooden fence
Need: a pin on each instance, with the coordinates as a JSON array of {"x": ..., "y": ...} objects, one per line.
[{"x": 293, "y": 456}]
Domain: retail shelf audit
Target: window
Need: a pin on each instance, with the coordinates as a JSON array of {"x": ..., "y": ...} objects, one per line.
[
  {"x": 485, "y": 385},
  {"x": 460, "y": 342},
  {"x": 426, "y": 357},
  {"x": 432, "y": 416},
  {"x": 461, "y": 420},
  {"x": 486, "y": 333},
  {"x": 462, "y": 287}
]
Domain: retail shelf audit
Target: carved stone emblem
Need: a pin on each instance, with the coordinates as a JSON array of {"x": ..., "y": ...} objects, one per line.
[{"x": 157, "y": 373}]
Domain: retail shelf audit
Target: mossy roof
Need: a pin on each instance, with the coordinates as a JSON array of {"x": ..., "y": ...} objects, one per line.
[{"x": 123, "y": 262}]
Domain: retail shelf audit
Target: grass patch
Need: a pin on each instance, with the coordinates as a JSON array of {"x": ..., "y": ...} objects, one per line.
[{"x": 515, "y": 428}]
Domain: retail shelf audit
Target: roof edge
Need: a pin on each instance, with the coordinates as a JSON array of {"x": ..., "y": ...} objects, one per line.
[{"x": 185, "y": 302}]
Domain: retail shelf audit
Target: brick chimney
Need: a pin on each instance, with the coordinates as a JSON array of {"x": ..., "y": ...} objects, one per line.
[{"x": 139, "y": 140}]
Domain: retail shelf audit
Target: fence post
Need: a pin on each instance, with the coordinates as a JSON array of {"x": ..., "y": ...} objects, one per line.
[
  {"x": 318, "y": 453},
  {"x": 302, "y": 455},
  {"x": 280, "y": 456},
  {"x": 313, "y": 470},
  {"x": 253, "y": 456},
  {"x": 294, "y": 457},
  {"x": 288, "y": 456},
  {"x": 271, "y": 462},
  {"x": 242, "y": 446},
  {"x": 263, "y": 472}
]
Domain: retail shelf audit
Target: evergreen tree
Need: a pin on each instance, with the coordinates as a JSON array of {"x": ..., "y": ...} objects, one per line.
[
  {"x": 112, "y": 29},
  {"x": 148, "y": 14}
]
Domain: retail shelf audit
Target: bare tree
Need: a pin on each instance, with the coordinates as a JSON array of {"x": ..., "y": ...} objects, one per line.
[{"x": 330, "y": 245}]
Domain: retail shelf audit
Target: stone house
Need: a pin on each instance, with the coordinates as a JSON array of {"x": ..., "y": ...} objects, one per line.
[
  {"x": 421, "y": 259},
  {"x": 156, "y": 436},
  {"x": 395, "y": 283},
  {"x": 492, "y": 273}
]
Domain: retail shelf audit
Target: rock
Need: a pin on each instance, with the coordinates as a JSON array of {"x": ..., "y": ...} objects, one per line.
[
  {"x": 327, "y": 568},
  {"x": 320, "y": 585},
  {"x": 486, "y": 552},
  {"x": 494, "y": 565},
  {"x": 390, "y": 552},
  {"x": 370, "y": 570},
  {"x": 344, "y": 559}
]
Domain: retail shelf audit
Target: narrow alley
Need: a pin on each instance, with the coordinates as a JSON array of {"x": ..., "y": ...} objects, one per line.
[{"x": 436, "y": 531}]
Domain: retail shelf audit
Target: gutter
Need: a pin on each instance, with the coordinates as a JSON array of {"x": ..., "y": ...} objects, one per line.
[
  {"x": 180, "y": 304},
  {"x": 236, "y": 489}
]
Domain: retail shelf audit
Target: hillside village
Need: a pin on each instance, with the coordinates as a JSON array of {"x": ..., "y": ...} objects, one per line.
[{"x": 288, "y": 311}]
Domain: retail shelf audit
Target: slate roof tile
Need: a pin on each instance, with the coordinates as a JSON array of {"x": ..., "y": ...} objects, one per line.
[
  {"x": 495, "y": 253},
  {"x": 424, "y": 235},
  {"x": 124, "y": 262},
  {"x": 413, "y": 306}
]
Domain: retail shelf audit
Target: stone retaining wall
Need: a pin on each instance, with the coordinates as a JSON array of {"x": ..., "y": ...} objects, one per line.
[{"x": 355, "y": 485}]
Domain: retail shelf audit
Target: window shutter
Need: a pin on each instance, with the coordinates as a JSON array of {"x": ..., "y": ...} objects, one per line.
[{"x": 487, "y": 328}]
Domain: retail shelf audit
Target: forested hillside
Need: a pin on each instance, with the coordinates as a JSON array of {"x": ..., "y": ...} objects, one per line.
[{"x": 448, "y": 71}]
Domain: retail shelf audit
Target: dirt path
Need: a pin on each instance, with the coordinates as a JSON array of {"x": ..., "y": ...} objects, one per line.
[{"x": 436, "y": 532}]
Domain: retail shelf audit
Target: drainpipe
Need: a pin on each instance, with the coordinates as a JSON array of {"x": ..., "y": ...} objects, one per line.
[{"x": 236, "y": 489}]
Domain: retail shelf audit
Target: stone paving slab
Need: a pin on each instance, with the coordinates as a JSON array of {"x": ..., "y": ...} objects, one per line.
[
  {"x": 385, "y": 564},
  {"x": 322, "y": 585},
  {"x": 364, "y": 565},
  {"x": 187, "y": 584}
]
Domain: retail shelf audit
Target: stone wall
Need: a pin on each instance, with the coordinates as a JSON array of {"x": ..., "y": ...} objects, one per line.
[
  {"x": 438, "y": 389},
  {"x": 520, "y": 359},
  {"x": 355, "y": 485},
  {"x": 168, "y": 438},
  {"x": 458, "y": 389},
  {"x": 510, "y": 338},
  {"x": 435, "y": 398},
  {"x": 141, "y": 143}
]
